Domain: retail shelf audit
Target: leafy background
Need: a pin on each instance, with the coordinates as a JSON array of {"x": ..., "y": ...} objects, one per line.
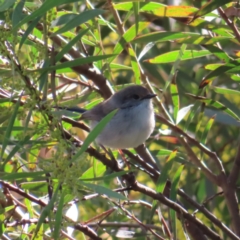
[{"x": 56, "y": 183}]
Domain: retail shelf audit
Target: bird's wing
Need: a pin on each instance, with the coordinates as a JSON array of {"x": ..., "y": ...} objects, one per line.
[{"x": 98, "y": 112}]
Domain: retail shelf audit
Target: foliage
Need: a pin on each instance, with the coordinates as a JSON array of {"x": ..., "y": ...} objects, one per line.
[{"x": 57, "y": 184}]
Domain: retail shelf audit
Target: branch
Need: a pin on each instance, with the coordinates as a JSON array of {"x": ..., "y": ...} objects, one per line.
[
  {"x": 179, "y": 209},
  {"x": 209, "y": 215},
  {"x": 234, "y": 174},
  {"x": 193, "y": 141},
  {"x": 192, "y": 156},
  {"x": 230, "y": 23}
]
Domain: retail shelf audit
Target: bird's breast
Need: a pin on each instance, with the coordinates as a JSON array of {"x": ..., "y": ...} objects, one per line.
[{"x": 129, "y": 128}]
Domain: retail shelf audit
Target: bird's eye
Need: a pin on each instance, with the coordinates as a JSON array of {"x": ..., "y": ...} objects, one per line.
[{"x": 135, "y": 96}]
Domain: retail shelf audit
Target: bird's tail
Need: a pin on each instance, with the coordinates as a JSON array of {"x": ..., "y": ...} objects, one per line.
[{"x": 72, "y": 109}]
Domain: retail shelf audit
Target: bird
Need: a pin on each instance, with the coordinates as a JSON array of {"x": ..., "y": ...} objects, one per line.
[{"x": 133, "y": 122}]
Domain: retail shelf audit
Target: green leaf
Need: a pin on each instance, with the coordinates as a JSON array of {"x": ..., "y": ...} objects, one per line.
[
  {"x": 226, "y": 91},
  {"x": 235, "y": 69},
  {"x": 217, "y": 72},
  {"x": 158, "y": 9},
  {"x": 104, "y": 191},
  {"x": 17, "y": 147},
  {"x": 80, "y": 19},
  {"x": 10, "y": 127},
  {"x": 63, "y": 19},
  {"x": 175, "y": 99},
  {"x": 219, "y": 53},
  {"x": 18, "y": 15},
  {"x": 6, "y": 4},
  {"x": 94, "y": 133},
  {"x": 136, "y": 14},
  {"x": 40, "y": 186},
  {"x": 207, "y": 130},
  {"x": 127, "y": 37},
  {"x": 94, "y": 171},
  {"x": 74, "y": 63},
  {"x": 215, "y": 104},
  {"x": 135, "y": 66},
  {"x": 164, "y": 174},
  {"x": 210, "y": 6},
  {"x": 69, "y": 45},
  {"x": 163, "y": 152},
  {"x": 21, "y": 175},
  {"x": 117, "y": 66},
  {"x": 173, "y": 56},
  {"x": 212, "y": 66},
  {"x": 173, "y": 72},
  {"x": 31, "y": 26},
  {"x": 163, "y": 37},
  {"x": 46, "y": 6},
  {"x": 58, "y": 218},
  {"x": 173, "y": 197},
  {"x": 46, "y": 211}
]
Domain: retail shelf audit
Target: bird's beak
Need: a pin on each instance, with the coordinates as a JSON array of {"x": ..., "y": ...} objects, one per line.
[{"x": 150, "y": 95}]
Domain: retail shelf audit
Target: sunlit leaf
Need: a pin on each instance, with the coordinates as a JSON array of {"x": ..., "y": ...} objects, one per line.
[
  {"x": 226, "y": 91},
  {"x": 165, "y": 171},
  {"x": 210, "y": 6},
  {"x": 183, "y": 112},
  {"x": 173, "y": 56}
]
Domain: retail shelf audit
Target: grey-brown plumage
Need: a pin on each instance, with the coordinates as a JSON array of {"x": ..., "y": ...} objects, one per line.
[{"x": 132, "y": 124}]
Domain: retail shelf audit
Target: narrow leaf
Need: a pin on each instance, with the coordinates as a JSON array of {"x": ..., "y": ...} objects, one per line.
[
  {"x": 226, "y": 91},
  {"x": 215, "y": 104},
  {"x": 135, "y": 66},
  {"x": 6, "y": 4},
  {"x": 127, "y": 37},
  {"x": 46, "y": 6},
  {"x": 207, "y": 130},
  {"x": 210, "y": 6},
  {"x": 175, "y": 98},
  {"x": 10, "y": 127},
  {"x": 94, "y": 133},
  {"x": 173, "y": 56},
  {"x": 173, "y": 196},
  {"x": 76, "y": 62},
  {"x": 70, "y": 44},
  {"x": 164, "y": 174},
  {"x": 58, "y": 218},
  {"x": 80, "y": 19}
]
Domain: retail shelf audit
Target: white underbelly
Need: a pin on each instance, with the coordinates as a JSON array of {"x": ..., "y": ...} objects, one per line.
[{"x": 129, "y": 128}]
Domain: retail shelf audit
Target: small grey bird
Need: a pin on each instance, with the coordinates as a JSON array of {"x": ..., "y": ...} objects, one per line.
[{"x": 131, "y": 125}]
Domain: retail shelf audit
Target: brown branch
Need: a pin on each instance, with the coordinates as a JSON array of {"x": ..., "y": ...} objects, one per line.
[
  {"x": 23, "y": 222},
  {"x": 173, "y": 205},
  {"x": 234, "y": 174},
  {"x": 23, "y": 194},
  {"x": 195, "y": 232},
  {"x": 87, "y": 231},
  {"x": 144, "y": 164},
  {"x": 123, "y": 225},
  {"x": 222, "y": 180},
  {"x": 209, "y": 215},
  {"x": 232, "y": 202},
  {"x": 193, "y": 141},
  {"x": 230, "y": 23},
  {"x": 138, "y": 221},
  {"x": 192, "y": 156}
]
